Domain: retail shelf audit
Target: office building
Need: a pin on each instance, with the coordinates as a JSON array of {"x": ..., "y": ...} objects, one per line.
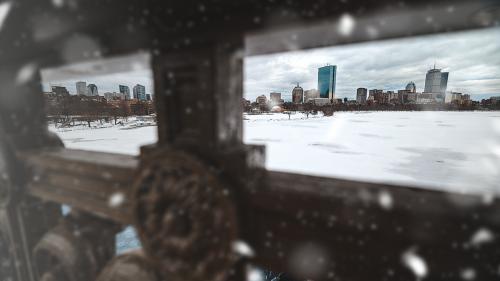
[
  {"x": 327, "y": 76},
  {"x": 139, "y": 92},
  {"x": 455, "y": 97},
  {"x": 297, "y": 94},
  {"x": 361, "y": 95},
  {"x": 376, "y": 95},
  {"x": 310, "y": 95},
  {"x": 60, "y": 91},
  {"x": 261, "y": 100},
  {"x": 114, "y": 96},
  {"x": 436, "y": 81},
  {"x": 320, "y": 101},
  {"x": 81, "y": 88},
  {"x": 275, "y": 98},
  {"x": 124, "y": 90},
  {"x": 92, "y": 90},
  {"x": 495, "y": 100}
]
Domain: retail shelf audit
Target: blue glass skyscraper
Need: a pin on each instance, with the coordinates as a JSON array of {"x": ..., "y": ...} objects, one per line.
[
  {"x": 139, "y": 92},
  {"x": 326, "y": 81},
  {"x": 125, "y": 90}
]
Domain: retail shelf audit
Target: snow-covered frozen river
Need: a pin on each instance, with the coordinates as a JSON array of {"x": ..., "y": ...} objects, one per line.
[{"x": 444, "y": 150}]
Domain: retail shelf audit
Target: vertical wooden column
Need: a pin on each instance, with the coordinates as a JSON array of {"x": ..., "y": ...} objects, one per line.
[
  {"x": 197, "y": 96},
  {"x": 23, "y": 219},
  {"x": 198, "y": 99}
]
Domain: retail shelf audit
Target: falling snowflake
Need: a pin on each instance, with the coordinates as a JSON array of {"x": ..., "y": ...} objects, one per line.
[
  {"x": 346, "y": 25},
  {"x": 4, "y": 11},
  {"x": 481, "y": 236},
  {"x": 385, "y": 200},
  {"x": 415, "y": 263},
  {"x": 255, "y": 275},
  {"x": 468, "y": 274},
  {"x": 242, "y": 248},
  {"x": 26, "y": 73},
  {"x": 116, "y": 199}
]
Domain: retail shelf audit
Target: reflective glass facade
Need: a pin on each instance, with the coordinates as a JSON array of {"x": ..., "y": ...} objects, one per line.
[
  {"x": 436, "y": 81},
  {"x": 326, "y": 81}
]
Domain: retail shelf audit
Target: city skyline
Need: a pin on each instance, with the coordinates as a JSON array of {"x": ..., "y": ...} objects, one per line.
[
  {"x": 472, "y": 59},
  {"x": 107, "y": 74},
  {"x": 107, "y": 83}
]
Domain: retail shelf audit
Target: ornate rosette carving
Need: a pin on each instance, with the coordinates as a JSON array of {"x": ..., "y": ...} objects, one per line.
[{"x": 184, "y": 217}]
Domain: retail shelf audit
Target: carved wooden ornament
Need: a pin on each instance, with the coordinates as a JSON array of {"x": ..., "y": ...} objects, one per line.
[{"x": 185, "y": 218}]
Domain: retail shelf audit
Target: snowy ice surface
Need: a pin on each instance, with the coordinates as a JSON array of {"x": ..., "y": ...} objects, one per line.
[
  {"x": 107, "y": 139},
  {"x": 457, "y": 151}
]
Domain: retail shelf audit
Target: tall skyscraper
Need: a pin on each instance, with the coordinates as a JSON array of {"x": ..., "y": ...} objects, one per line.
[
  {"x": 125, "y": 90},
  {"x": 139, "y": 92},
  {"x": 81, "y": 88},
  {"x": 436, "y": 81},
  {"x": 92, "y": 90},
  {"x": 327, "y": 76},
  {"x": 297, "y": 94},
  {"x": 361, "y": 94}
]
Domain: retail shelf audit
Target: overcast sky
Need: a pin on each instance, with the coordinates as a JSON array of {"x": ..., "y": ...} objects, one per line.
[
  {"x": 472, "y": 58},
  {"x": 109, "y": 83},
  {"x": 107, "y": 74}
]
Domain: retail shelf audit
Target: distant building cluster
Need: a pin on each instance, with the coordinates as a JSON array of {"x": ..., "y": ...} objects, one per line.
[
  {"x": 59, "y": 98},
  {"x": 435, "y": 86},
  {"x": 434, "y": 93},
  {"x": 91, "y": 90}
]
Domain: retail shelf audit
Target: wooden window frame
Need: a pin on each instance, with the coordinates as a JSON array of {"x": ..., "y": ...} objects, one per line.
[{"x": 336, "y": 225}]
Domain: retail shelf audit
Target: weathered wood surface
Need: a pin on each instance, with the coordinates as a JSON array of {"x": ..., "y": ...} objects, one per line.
[
  {"x": 95, "y": 182},
  {"x": 349, "y": 229}
]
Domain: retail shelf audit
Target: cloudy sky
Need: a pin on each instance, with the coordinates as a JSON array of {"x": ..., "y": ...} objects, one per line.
[
  {"x": 472, "y": 58},
  {"x": 109, "y": 83},
  {"x": 107, "y": 74}
]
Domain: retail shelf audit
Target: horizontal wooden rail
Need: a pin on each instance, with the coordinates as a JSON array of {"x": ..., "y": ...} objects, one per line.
[{"x": 95, "y": 182}]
